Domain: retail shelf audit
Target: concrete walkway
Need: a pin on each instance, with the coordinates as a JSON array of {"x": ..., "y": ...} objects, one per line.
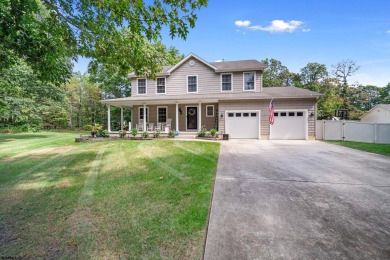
[{"x": 299, "y": 200}]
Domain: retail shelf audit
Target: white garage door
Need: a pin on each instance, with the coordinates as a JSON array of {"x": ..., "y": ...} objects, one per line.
[
  {"x": 289, "y": 125},
  {"x": 242, "y": 124}
]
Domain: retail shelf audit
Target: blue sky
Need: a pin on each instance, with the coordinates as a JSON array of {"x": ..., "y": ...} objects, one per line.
[{"x": 294, "y": 32}]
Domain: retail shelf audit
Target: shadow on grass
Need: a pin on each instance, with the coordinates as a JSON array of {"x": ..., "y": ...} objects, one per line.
[
  {"x": 11, "y": 137},
  {"x": 36, "y": 207}
]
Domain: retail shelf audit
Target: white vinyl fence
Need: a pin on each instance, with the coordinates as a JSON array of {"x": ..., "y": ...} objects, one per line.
[{"x": 353, "y": 131}]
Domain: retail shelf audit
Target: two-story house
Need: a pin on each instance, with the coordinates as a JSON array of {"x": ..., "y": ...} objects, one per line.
[{"x": 226, "y": 95}]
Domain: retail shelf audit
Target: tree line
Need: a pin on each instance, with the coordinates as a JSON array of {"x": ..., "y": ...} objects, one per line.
[{"x": 337, "y": 92}]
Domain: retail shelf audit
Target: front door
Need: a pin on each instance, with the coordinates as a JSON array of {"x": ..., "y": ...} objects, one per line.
[{"x": 192, "y": 118}]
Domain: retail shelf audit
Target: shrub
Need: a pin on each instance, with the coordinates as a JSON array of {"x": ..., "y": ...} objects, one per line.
[
  {"x": 145, "y": 134},
  {"x": 134, "y": 131},
  {"x": 87, "y": 127},
  {"x": 213, "y": 132},
  {"x": 156, "y": 134},
  {"x": 103, "y": 133},
  {"x": 202, "y": 132},
  {"x": 171, "y": 134},
  {"x": 122, "y": 133}
]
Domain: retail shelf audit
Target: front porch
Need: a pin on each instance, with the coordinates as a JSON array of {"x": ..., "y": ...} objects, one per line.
[{"x": 182, "y": 117}]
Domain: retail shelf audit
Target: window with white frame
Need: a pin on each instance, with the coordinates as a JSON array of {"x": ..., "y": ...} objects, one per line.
[
  {"x": 226, "y": 81},
  {"x": 249, "y": 81},
  {"x": 141, "y": 114},
  {"x": 141, "y": 86},
  {"x": 209, "y": 110},
  {"x": 162, "y": 113},
  {"x": 192, "y": 84},
  {"x": 160, "y": 85}
]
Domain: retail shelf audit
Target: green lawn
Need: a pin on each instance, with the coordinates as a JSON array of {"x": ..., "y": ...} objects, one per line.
[
  {"x": 117, "y": 199},
  {"x": 383, "y": 149}
]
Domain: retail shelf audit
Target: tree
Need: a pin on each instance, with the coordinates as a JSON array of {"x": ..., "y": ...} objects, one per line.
[
  {"x": 364, "y": 97},
  {"x": 385, "y": 94},
  {"x": 45, "y": 32},
  {"x": 342, "y": 71},
  {"x": 312, "y": 76},
  {"x": 276, "y": 74},
  {"x": 25, "y": 100}
]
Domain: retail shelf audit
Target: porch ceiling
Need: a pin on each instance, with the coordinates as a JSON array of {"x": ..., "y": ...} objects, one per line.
[{"x": 131, "y": 103}]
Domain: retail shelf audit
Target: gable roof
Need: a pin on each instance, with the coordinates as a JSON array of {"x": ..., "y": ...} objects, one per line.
[
  {"x": 218, "y": 67},
  {"x": 384, "y": 106},
  {"x": 189, "y": 56}
]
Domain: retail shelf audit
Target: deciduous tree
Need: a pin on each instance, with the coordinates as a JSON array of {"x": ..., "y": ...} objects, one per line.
[{"x": 44, "y": 32}]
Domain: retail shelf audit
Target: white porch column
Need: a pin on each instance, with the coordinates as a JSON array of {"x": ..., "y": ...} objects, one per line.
[
  {"x": 144, "y": 117},
  {"x": 200, "y": 116},
  {"x": 122, "y": 118},
  {"x": 177, "y": 117},
  {"x": 108, "y": 118}
]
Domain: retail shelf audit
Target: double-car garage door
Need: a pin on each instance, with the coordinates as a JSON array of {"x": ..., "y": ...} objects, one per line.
[{"x": 288, "y": 125}]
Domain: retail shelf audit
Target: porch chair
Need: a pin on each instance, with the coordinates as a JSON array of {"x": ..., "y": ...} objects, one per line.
[
  {"x": 150, "y": 127},
  {"x": 158, "y": 127},
  {"x": 140, "y": 125},
  {"x": 168, "y": 123}
]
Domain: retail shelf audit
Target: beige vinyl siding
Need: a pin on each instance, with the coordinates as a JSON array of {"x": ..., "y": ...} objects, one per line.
[
  {"x": 209, "y": 82},
  {"x": 262, "y": 105},
  {"x": 209, "y": 122}
]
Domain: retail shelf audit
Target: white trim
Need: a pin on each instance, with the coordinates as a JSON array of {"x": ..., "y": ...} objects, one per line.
[
  {"x": 208, "y": 110},
  {"x": 305, "y": 115},
  {"x": 139, "y": 113},
  {"x": 177, "y": 117},
  {"x": 191, "y": 55},
  {"x": 254, "y": 81},
  {"x": 108, "y": 118},
  {"x": 197, "y": 85},
  {"x": 245, "y": 111},
  {"x": 165, "y": 85},
  {"x": 146, "y": 86},
  {"x": 197, "y": 120},
  {"x": 166, "y": 107},
  {"x": 231, "y": 90}
]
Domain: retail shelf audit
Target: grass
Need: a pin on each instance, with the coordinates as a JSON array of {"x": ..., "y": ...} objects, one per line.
[
  {"x": 106, "y": 200},
  {"x": 383, "y": 149}
]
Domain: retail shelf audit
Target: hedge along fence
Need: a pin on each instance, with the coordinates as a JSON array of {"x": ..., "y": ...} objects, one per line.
[{"x": 353, "y": 131}]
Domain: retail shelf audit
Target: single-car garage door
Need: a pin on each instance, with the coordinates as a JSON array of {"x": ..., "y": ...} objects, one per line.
[
  {"x": 242, "y": 124},
  {"x": 289, "y": 125}
]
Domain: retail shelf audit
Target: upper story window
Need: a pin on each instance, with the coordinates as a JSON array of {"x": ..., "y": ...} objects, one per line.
[
  {"x": 192, "y": 83},
  {"x": 141, "y": 86},
  {"x": 249, "y": 81},
  {"x": 226, "y": 82},
  {"x": 160, "y": 86}
]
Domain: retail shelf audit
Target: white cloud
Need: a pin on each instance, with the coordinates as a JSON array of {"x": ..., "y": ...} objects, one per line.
[
  {"x": 242, "y": 23},
  {"x": 388, "y": 31},
  {"x": 279, "y": 26},
  {"x": 306, "y": 30}
]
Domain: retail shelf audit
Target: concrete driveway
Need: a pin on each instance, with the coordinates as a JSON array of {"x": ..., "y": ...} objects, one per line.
[{"x": 299, "y": 200}]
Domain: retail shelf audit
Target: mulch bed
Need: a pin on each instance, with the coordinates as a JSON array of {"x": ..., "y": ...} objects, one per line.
[{"x": 111, "y": 138}]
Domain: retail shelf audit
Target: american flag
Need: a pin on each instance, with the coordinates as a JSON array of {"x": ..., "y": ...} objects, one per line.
[{"x": 271, "y": 112}]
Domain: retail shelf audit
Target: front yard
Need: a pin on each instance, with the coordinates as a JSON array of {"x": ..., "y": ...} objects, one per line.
[{"x": 118, "y": 199}]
